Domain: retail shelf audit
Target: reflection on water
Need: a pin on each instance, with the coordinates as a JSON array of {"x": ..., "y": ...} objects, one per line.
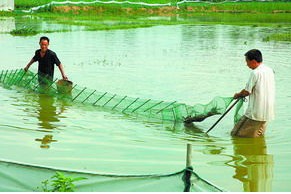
[
  {"x": 48, "y": 117},
  {"x": 7, "y": 24},
  {"x": 253, "y": 166},
  {"x": 47, "y": 112},
  {"x": 45, "y": 141}
]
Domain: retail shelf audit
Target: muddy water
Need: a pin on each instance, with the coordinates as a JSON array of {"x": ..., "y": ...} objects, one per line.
[{"x": 187, "y": 63}]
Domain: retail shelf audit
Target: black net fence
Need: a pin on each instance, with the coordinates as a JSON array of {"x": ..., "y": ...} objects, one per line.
[{"x": 22, "y": 177}]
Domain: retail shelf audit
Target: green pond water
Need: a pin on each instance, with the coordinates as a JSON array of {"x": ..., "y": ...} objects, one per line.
[{"x": 187, "y": 63}]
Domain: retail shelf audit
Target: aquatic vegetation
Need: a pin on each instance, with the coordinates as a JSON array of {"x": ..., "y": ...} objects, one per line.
[
  {"x": 241, "y": 7},
  {"x": 134, "y": 16},
  {"x": 99, "y": 16},
  {"x": 24, "y": 31},
  {"x": 31, "y": 31},
  {"x": 60, "y": 183},
  {"x": 229, "y": 7},
  {"x": 33, "y": 3},
  {"x": 278, "y": 37}
]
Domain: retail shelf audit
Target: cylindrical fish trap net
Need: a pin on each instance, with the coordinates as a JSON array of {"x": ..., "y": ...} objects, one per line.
[{"x": 153, "y": 109}]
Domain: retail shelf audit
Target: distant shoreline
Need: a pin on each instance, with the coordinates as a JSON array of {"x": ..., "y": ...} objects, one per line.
[{"x": 125, "y": 16}]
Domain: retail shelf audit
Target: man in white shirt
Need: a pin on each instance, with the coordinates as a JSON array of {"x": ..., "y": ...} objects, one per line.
[{"x": 261, "y": 91}]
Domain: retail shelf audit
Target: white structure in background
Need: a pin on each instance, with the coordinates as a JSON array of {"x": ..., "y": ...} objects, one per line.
[{"x": 6, "y": 5}]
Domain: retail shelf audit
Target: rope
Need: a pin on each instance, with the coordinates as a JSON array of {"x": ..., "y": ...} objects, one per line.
[{"x": 87, "y": 172}]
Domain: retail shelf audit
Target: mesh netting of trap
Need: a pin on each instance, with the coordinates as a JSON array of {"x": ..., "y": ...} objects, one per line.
[{"x": 149, "y": 108}]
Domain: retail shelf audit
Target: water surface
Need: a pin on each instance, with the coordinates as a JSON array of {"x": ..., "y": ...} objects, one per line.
[{"x": 188, "y": 63}]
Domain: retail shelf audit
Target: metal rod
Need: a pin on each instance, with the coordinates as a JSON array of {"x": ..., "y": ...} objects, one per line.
[
  {"x": 141, "y": 105},
  {"x": 130, "y": 104},
  {"x": 1, "y": 75},
  {"x": 20, "y": 79},
  {"x": 166, "y": 107},
  {"x": 11, "y": 80},
  {"x": 89, "y": 96},
  {"x": 16, "y": 80},
  {"x": 153, "y": 106},
  {"x": 16, "y": 72},
  {"x": 119, "y": 102},
  {"x": 8, "y": 77},
  {"x": 35, "y": 87},
  {"x": 30, "y": 80},
  {"x": 74, "y": 87},
  {"x": 99, "y": 98},
  {"x": 48, "y": 87},
  {"x": 109, "y": 100},
  {"x": 223, "y": 115},
  {"x": 174, "y": 114},
  {"x": 5, "y": 75},
  {"x": 79, "y": 94},
  {"x": 42, "y": 78},
  {"x": 52, "y": 84}
]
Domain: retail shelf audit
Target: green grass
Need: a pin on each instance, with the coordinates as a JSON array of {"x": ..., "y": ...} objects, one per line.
[
  {"x": 279, "y": 37},
  {"x": 248, "y": 7},
  {"x": 258, "y": 7},
  {"x": 24, "y": 31},
  {"x": 20, "y": 4},
  {"x": 126, "y": 16},
  {"x": 82, "y": 18},
  {"x": 34, "y": 3},
  {"x": 60, "y": 183}
]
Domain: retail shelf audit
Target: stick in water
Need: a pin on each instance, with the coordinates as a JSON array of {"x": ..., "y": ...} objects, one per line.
[{"x": 223, "y": 115}]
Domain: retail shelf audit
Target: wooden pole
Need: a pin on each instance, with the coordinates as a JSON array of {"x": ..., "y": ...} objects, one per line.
[
  {"x": 188, "y": 171},
  {"x": 189, "y": 156}
]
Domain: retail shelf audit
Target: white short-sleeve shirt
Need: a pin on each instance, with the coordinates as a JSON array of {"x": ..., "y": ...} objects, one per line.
[{"x": 261, "y": 86}]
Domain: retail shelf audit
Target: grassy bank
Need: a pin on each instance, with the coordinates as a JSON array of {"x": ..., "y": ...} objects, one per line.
[
  {"x": 123, "y": 16},
  {"x": 244, "y": 13},
  {"x": 233, "y": 7}
]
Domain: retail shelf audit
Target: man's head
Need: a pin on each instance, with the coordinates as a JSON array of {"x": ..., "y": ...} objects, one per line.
[
  {"x": 44, "y": 43},
  {"x": 253, "y": 58}
]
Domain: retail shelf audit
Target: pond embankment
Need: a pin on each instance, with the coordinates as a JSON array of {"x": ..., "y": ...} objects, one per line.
[{"x": 111, "y": 16}]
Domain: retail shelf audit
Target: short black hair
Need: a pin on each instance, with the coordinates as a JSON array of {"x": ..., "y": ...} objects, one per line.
[
  {"x": 44, "y": 38},
  {"x": 254, "y": 54}
]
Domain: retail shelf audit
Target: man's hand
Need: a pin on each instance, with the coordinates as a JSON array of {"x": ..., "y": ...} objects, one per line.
[
  {"x": 25, "y": 69},
  {"x": 236, "y": 95},
  {"x": 65, "y": 77},
  {"x": 28, "y": 65},
  {"x": 241, "y": 94}
]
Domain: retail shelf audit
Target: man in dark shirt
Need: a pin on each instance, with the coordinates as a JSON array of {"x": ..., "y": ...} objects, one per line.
[{"x": 46, "y": 60}]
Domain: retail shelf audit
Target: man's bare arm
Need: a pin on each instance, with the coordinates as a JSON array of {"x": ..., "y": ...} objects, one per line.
[
  {"x": 61, "y": 68},
  {"x": 29, "y": 64}
]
